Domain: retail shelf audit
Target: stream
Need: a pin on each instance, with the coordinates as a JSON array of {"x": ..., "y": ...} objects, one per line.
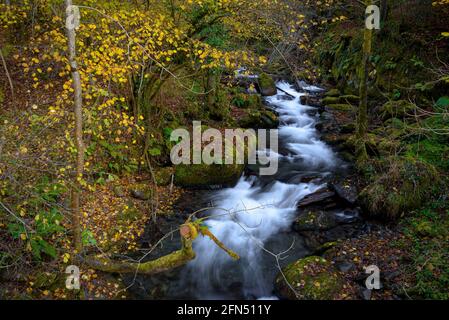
[{"x": 261, "y": 212}]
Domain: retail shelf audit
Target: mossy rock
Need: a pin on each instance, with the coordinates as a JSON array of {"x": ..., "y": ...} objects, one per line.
[
  {"x": 314, "y": 221},
  {"x": 141, "y": 192},
  {"x": 205, "y": 176},
  {"x": 267, "y": 85},
  {"x": 350, "y": 99},
  {"x": 265, "y": 119},
  {"x": 312, "y": 278},
  {"x": 397, "y": 109},
  {"x": 163, "y": 176},
  {"x": 341, "y": 107},
  {"x": 129, "y": 214},
  {"x": 399, "y": 186},
  {"x": 332, "y": 93},
  {"x": 330, "y": 100}
]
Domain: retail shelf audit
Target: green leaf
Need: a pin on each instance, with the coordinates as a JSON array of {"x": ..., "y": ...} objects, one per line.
[
  {"x": 88, "y": 238},
  {"x": 47, "y": 248},
  {"x": 16, "y": 229},
  {"x": 443, "y": 102}
]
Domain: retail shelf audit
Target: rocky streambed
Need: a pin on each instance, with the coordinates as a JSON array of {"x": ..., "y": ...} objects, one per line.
[{"x": 289, "y": 221}]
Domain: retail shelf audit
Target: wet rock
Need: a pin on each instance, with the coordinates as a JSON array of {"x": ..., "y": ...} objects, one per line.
[
  {"x": 314, "y": 221},
  {"x": 347, "y": 216},
  {"x": 345, "y": 191},
  {"x": 323, "y": 196},
  {"x": 312, "y": 101},
  {"x": 312, "y": 278}
]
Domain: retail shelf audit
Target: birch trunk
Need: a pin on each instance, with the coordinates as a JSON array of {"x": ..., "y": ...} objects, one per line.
[{"x": 78, "y": 113}]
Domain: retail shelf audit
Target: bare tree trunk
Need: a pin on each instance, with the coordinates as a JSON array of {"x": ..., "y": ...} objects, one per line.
[
  {"x": 78, "y": 112},
  {"x": 362, "y": 116}
]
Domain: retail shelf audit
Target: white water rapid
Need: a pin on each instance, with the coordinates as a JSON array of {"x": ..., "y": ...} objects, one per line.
[{"x": 260, "y": 210}]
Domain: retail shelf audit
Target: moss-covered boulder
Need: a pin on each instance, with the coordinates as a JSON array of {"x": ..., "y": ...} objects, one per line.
[
  {"x": 128, "y": 214},
  {"x": 314, "y": 220},
  {"x": 311, "y": 278},
  {"x": 330, "y": 100},
  {"x": 259, "y": 119},
  {"x": 141, "y": 191},
  {"x": 350, "y": 99},
  {"x": 267, "y": 85},
  {"x": 397, "y": 109},
  {"x": 332, "y": 93},
  {"x": 398, "y": 186},
  {"x": 204, "y": 176}
]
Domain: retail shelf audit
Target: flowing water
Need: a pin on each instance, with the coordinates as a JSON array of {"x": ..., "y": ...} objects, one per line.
[{"x": 261, "y": 211}]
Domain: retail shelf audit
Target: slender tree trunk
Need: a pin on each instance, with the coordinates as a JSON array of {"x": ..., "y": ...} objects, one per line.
[
  {"x": 78, "y": 112},
  {"x": 362, "y": 116}
]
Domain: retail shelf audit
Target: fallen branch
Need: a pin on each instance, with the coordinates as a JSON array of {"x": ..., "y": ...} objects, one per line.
[
  {"x": 165, "y": 263},
  {"x": 289, "y": 94},
  {"x": 189, "y": 232}
]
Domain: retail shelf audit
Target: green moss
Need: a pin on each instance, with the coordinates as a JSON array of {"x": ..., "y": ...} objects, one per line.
[
  {"x": 349, "y": 98},
  {"x": 341, "y": 107},
  {"x": 398, "y": 186},
  {"x": 255, "y": 119},
  {"x": 267, "y": 85},
  {"x": 128, "y": 214},
  {"x": 330, "y": 100},
  {"x": 332, "y": 93},
  {"x": 313, "y": 278},
  {"x": 163, "y": 176},
  {"x": 397, "y": 109},
  {"x": 253, "y": 101},
  {"x": 202, "y": 175},
  {"x": 430, "y": 151}
]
